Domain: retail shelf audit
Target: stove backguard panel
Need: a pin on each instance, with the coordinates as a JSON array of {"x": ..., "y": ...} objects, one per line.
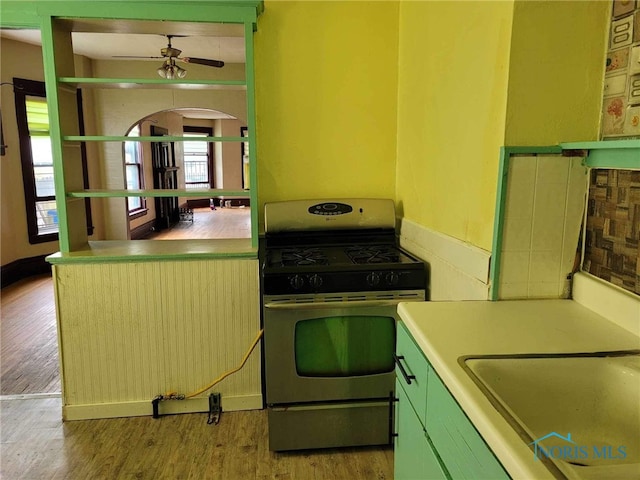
[{"x": 612, "y": 243}]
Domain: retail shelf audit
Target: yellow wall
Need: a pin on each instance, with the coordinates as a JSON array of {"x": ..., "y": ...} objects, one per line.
[
  {"x": 452, "y": 96},
  {"x": 23, "y": 60},
  {"x": 556, "y": 71},
  {"x": 326, "y": 99}
]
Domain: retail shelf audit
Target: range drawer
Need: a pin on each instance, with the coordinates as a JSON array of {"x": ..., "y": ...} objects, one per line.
[
  {"x": 458, "y": 443},
  {"x": 411, "y": 371}
]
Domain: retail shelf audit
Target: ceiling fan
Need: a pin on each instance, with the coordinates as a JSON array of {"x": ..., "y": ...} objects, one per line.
[{"x": 169, "y": 69}]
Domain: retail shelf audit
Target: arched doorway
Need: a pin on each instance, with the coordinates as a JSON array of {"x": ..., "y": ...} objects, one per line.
[{"x": 186, "y": 165}]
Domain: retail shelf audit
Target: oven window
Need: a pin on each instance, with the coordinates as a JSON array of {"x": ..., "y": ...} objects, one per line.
[{"x": 344, "y": 346}]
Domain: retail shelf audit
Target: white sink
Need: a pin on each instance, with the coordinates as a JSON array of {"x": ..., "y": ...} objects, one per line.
[{"x": 583, "y": 409}]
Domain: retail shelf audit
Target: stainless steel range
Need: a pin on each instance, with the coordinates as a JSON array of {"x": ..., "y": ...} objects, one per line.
[{"x": 332, "y": 276}]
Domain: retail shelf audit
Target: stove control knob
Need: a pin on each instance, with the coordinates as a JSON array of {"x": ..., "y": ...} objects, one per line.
[
  {"x": 392, "y": 278},
  {"x": 296, "y": 281},
  {"x": 373, "y": 279},
  {"x": 315, "y": 280}
]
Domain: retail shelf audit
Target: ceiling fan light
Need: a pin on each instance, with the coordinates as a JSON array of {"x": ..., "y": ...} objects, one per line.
[{"x": 170, "y": 70}]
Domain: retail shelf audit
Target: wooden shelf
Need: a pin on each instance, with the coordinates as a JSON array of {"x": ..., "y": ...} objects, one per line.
[
  {"x": 615, "y": 154},
  {"x": 153, "y": 83},
  {"x": 156, "y": 250},
  {"x": 160, "y": 193},
  {"x": 602, "y": 145},
  {"x": 164, "y": 138}
]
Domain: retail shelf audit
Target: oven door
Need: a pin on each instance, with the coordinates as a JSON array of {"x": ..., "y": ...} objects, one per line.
[{"x": 330, "y": 349}]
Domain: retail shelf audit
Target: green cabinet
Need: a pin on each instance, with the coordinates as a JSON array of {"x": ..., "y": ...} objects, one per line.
[
  {"x": 414, "y": 456},
  {"x": 435, "y": 439}
]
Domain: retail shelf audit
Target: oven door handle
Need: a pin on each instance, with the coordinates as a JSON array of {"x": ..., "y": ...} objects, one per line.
[{"x": 337, "y": 304}]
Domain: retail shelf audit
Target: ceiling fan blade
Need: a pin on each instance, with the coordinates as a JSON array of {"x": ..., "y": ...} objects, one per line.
[
  {"x": 131, "y": 56},
  {"x": 203, "y": 61}
]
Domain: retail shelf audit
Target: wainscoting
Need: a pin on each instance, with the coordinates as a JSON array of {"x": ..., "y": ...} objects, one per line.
[{"x": 131, "y": 331}]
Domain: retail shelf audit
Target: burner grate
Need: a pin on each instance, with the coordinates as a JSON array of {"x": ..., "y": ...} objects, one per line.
[
  {"x": 372, "y": 254},
  {"x": 303, "y": 256}
]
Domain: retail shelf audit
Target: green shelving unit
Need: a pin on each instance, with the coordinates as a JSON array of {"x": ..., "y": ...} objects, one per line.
[{"x": 56, "y": 21}]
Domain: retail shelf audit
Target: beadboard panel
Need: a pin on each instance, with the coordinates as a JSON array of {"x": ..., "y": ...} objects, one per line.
[
  {"x": 457, "y": 270},
  {"x": 131, "y": 331}
]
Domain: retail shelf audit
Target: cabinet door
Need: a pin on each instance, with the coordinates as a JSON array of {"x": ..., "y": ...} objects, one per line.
[
  {"x": 412, "y": 363},
  {"x": 459, "y": 445},
  {"x": 414, "y": 457}
]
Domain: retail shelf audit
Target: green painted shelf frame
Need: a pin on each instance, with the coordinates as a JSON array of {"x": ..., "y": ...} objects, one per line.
[
  {"x": 56, "y": 20},
  {"x": 164, "y": 138},
  {"x": 609, "y": 154},
  {"x": 614, "y": 154},
  {"x": 153, "y": 83},
  {"x": 157, "y": 193}
]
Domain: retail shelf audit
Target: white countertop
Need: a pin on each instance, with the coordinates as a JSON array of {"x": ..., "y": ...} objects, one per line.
[{"x": 446, "y": 331}]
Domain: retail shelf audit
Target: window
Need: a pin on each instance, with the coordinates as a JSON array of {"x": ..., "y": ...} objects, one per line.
[
  {"x": 197, "y": 159},
  {"x": 133, "y": 172},
  {"x": 32, "y": 117},
  {"x": 244, "y": 132}
]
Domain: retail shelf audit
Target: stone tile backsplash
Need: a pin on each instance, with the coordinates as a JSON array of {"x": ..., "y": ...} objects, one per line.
[{"x": 612, "y": 240}]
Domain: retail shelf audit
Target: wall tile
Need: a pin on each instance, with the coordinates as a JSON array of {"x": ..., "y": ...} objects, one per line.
[
  {"x": 552, "y": 169},
  {"x": 543, "y": 289},
  {"x": 547, "y": 232},
  {"x": 516, "y": 234},
  {"x": 550, "y": 199},
  {"x": 513, "y": 290},
  {"x": 520, "y": 186},
  {"x": 545, "y": 266},
  {"x": 514, "y": 267}
]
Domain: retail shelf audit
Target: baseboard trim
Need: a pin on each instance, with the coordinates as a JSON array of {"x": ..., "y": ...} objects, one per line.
[
  {"x": 201, "y": 203},
  {"x": 142, "y": 231},
  {"x": 169, "y": 407},
  {"x": 23, "y": 268}
]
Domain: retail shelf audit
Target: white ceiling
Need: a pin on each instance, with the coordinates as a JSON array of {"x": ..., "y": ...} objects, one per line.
[
  {"x": 106, "y": 40},
  {"x": 98, "y": 45}
]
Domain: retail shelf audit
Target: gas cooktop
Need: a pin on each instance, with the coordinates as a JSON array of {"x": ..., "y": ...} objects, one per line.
[
  {"x": 335, "y": 246},
  {"x": 343, "y": 256}
]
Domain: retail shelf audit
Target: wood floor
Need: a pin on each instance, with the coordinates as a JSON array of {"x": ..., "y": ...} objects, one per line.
[
  {"x": 232, "y": 222},
  {"x": 28, "y": 338},
  {"x": 36, "y": 444}
]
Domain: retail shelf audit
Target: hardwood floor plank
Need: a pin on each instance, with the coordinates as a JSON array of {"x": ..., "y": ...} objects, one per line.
[
  {"x": 28, "y": 338},
  {"x": 36, "y": 444},
  {"x": 219, "y": 223}
]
